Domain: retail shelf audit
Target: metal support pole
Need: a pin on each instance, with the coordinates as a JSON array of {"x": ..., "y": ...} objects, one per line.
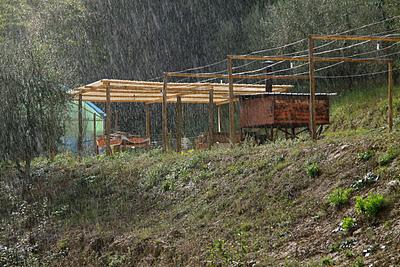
[{"x": 96, "y": 150}]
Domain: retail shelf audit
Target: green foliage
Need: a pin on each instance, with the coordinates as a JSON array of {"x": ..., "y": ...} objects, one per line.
[
  {"x": 348, "y": 223},
  {"x": 327, "y": 261},
  {"x": 389, "y": 156},
  {"x": 313, "y": 170},
  {"x": 366, "y": 155},
  {"x": 359, "y": 262},
  {"x": 371, "y": 205},
  {"x": 339, "y": 196}
]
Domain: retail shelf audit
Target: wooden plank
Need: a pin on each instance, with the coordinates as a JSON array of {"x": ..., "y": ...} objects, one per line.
[
  {"x": 178, "y": 125},
  {"x": 354, "y": 38},
  {"x": 80, "y": 126},
  {"x": 231, "y": 102},
  {"x": 148, "y": 120},
  {"x": 96, "y": 150},
  {"x": 165, "y": 115},
  {"x": 108, "y": 119},
  {"x": 390, "y": 96},
  {"x": 313, "y": 125},
  {"x": 211, "y": 120}
]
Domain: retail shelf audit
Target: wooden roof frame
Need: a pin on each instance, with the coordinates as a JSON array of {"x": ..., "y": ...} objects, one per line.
[{"x": 126, "y": 91}]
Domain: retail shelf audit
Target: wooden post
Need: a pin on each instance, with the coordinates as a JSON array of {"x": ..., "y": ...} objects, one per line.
[
  {"x": 219, "y": 119},
  {"x": 211, "y": 119},
  {"x": 178, "y": 124},
  {"x": 148, "y": 120},
  {"x": 231, "y": 102},
  {"x": 390, "y": 96},
  {"x": 313, "y": 125},
  {"x": 116, "y": 118},
  {"x": 80, "y": 126},
  {"x": 165, "y": 114},
  {"x": 108, "y": 118},
  {"x": 96, "y": 150}
]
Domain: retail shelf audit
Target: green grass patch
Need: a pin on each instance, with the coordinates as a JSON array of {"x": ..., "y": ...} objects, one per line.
[
  {"x": 313, "y": 170},
  {"x": 371, "y": 205},
  {"x": 339, "y": 197}
]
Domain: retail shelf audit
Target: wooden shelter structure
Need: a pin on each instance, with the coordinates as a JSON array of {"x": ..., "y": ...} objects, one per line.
[{"x": 127, "y": 91}]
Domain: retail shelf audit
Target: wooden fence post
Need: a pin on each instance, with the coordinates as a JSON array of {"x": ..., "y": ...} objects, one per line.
[
  {"x": 96, "y": 151},
  {"x": 313, "y": 125},
  {"x": 80, "y": 126},
  {"x": 148, "y": 120},
  {"x": 108, "y": 118},
  {"x": 178, "y": 124},
  {"x": 390, "y": 95},
  {"x": 231, "y": 102},
  {"x": 165, "y": 114},
  {"x": 211, "y": 119}
]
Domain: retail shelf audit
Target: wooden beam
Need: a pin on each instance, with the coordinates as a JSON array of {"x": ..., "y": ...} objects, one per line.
[
  {"x": 316, "y": 59},
  {"x": 354, "y": 38},
  {"x": 165, "y": 114},
  {"x": 211, "y": 120},
  {"x": 231, "y": 102},
  {"x": 108, "y": 119},
  {"x": 96, "y": 150},
  {"x": 80, "y": 126},
  {"x": 390, "y": 96},
  {"x": 241, "y": 77},
  {"x": 178, "y": 124},
  {"x": 148, "y": 120},
  {"x": 313, "y": 126}
]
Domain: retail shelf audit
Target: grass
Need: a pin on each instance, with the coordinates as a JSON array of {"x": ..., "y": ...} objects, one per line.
[
  {"x": 371, "y": 205},
  {"x": 242, "y": 205},
  {"x": 339, "y": 197}
]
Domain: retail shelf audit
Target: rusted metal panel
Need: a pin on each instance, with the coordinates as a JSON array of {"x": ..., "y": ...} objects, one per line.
[
  {"x": 256, "y": 112},
  {"x": 281, "y": 110}
]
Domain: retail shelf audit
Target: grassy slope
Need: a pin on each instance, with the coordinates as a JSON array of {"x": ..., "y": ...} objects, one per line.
[{"x": 246, "y": 205}]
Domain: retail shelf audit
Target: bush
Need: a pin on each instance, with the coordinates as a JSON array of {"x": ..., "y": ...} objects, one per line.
[
  {"x": 388, "y": 157},
  {"x": 313, "y": 170},
  {"x": 370, "y": 205},
  {"x": 348, "y": 223},
  {"x": 339, "y": 197}
]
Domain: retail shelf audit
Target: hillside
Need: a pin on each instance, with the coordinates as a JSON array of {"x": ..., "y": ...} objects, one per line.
[{"x": 266, "y": 205}]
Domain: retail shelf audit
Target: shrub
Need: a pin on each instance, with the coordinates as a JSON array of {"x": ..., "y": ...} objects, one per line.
[
  {"x": 388, "y": 157},
  {"x": 371, "y": 205},
  {"x": 348, "y": 223},
  {"x": 339, "y": 197},
  {"x": 313, "y": 170},
  {"x": 366, "y": 155}
]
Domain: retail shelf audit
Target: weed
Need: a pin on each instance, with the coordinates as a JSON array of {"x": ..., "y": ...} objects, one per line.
[
  {"x": 348, "y": 253},
  {"x": 359, "y": 262},
  {"x": 366, "y": 155},
  {"x": 371, "y": 205},
  {"x": 348, "y": 223},
  {"x": 389, "y": 156},
  {"x": 313, "y": 170},
  {"x": 339, "y": 197},
  {"x": 327, "y": 261}
]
